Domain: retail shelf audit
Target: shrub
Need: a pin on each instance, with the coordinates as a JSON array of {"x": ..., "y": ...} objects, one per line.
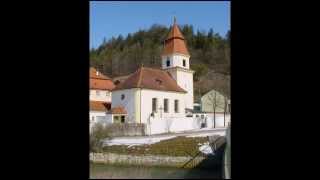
[{"x": 98, "y": 133}]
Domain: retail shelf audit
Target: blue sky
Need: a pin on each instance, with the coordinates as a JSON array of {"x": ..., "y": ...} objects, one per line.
[{"x": 109, "y": 18}]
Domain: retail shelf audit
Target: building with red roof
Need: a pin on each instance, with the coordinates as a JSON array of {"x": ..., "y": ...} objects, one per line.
[
  {"x": 156, "y": 93},
  {"x": 100, "y": 95}
]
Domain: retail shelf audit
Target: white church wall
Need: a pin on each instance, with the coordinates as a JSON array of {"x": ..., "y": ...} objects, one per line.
[
  {"x": 185, "y": 80},
  {"x": 103, "y": 95},
  {"x": 128, "y": 102},
  {"x": 146, "y": 106}
]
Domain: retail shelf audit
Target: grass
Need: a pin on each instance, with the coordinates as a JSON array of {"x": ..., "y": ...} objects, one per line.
[{"x": 179, "y": 146}]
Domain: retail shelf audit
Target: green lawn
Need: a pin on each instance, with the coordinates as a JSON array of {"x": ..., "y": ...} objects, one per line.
[{"x": 179, "y": 146}]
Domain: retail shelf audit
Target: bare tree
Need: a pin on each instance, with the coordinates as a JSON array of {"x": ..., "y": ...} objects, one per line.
[
  {"x": 225, "y": 111},
  {"x": 217, "y": 101}
]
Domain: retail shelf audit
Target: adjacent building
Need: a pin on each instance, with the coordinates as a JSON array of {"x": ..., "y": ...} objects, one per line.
[
  {"x": 217, "y": 108},
  {"x": 100, "y": 95}
]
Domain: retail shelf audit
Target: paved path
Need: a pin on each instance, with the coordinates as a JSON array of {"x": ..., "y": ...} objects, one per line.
[{"x": 185, "y": 133}]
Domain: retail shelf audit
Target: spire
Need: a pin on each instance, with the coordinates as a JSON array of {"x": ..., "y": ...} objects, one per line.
[
  {"x": 175, "y": 31},
  {"x": 174, "y": 42}
]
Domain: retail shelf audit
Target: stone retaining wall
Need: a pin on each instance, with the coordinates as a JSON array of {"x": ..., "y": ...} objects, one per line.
[{"x": 146, "y": 160}]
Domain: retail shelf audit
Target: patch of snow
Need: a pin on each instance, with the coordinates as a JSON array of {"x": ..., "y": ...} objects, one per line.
[
  {"x": 208, "y": 134},
  {"x": 136, "y": 142},
  {"x": 206, "y": 129},
  {"x": 206, "y": 149}
]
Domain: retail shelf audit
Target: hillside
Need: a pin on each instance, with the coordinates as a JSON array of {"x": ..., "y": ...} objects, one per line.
[{"x": 210, "y": 56}]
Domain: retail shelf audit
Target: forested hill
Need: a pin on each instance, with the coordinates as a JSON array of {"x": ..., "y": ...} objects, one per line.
[{"x": 210, "y": 55}]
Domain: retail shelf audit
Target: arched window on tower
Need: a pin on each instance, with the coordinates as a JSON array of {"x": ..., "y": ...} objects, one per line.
[
  {"x": 184, "y": 63},
  {"x": 168, "y": 61}
]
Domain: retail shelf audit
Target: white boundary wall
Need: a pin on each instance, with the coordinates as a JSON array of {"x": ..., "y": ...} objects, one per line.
[
  {"x": 157, "y": 125},
  {"x": 219, "y": 120},
  {"x": 165, "y": 125}
]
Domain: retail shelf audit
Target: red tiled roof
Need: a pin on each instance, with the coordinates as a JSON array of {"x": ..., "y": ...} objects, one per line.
[
  {"x": 100, "y": 81},
  {"x": 101, "y": 84},
  {"x": 150, "y": 78},
  {"x": 99, "y": 106},
  {"x": 117, "y": 80},
  {"x": 175, "y": 42},
  {"x": 95, "y": 75},
  {"x": 117, "y": 110}
]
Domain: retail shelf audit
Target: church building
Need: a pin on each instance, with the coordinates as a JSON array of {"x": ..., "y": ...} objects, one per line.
[{"x": 159, "y": 93}]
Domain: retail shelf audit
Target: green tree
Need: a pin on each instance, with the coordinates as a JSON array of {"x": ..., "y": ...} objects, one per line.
[
  {"x": 123, "y": 55},
  {"x": 200, "y": 70}
]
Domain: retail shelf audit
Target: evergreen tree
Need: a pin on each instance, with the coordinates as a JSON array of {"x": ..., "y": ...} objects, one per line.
[{"x": 123, "y": 55}]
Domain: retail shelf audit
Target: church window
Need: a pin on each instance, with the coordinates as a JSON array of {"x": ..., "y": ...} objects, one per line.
[
  {"x": 168, "y": 62},
  {"x": 176, "y": 106},
  {"x": 122, "y": 96},
  {"x": 154, "y": 104},
  {"x": 184, "y": 63},
  {"x": 166, "y": 105}
]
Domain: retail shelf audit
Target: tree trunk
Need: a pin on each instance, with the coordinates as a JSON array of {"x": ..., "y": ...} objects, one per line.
[
  {"x": 214, "y": 110},
  {"x": 224, "y": 112},
  {"x": 224, "y": 119},
  {"x": 214, "y": 117}
]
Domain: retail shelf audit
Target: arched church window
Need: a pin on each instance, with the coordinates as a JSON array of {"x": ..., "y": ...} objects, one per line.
[
  {"x": 184, "y": 63},
  {"x": 168, "y": 61}
]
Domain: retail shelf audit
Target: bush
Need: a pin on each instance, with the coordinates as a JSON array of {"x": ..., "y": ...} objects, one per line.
[{"x": 98, "y": 133}]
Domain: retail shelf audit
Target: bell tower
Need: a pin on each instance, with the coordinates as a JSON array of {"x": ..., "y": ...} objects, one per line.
[
  {"x": 175, "y": 52},
  {"x": 175, "y": 59}
]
